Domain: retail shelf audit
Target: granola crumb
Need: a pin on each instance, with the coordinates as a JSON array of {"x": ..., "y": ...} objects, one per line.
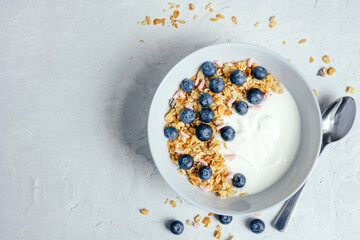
[
  {"x": 206, "y": 220},
  {"x": 182, "y": 21},
  {"x": 326, "y": 59},
  {"x": 284, "y": 43},
  {"x": 214, "y": 19},
  {"x": 189, "y": 222},
  {"x": 172, "y": 5},
  {"x": 167, "y": 201},
  {"x": 208, "y": 225},
  {"x": 144, "y": 23},
  {"x": 230, "y": 40},
  {"x": 197, "y": 218},
  {"x": 311, "y": 60},
  {"x": 211, "y": 214},
  {"x": 192, "y": 6},
  {"x": 173, "y": 204},
  {"x": 212, "y": 10},
  {"x": 219, "y": 227},
  {"x": 303, "y": 41},
  {"x": 164, "y": 10},
  {"x": 217, "y": 234},
  {"x": 350, "y": 90},
  {"x": 180, "y": 199},
  {"x": 272, "y": 24},
  {"x": 331, "y": 71},
  {"x": 257, "y": 24},
  {"x": 220, "y": 16},
  {"x": 177, "y": 6},
  {"x": 289, "y": 60},
  {"x": 148, "y": 20},
  {"x": 234, "y": 20},
  {"x": 315, "y": 92},
  {"x": 208, "y": 6},
  {"x": 243, "y": 194},
  {"x": 144, "y": 211},
  {"x": 272, "y": 19},
  {"x": 141, "y": 40}
]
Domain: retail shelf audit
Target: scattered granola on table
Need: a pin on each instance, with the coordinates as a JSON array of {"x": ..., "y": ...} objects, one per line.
[
  {"x": 350, "y": 90},
  {"x": 326, "y": 59},
  {"x": 303, "y": 41},
  {"x": 144, "y": 211}
]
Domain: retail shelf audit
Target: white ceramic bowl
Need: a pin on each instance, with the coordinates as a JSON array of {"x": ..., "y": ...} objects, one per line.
[{"x": 311, "y": 133}]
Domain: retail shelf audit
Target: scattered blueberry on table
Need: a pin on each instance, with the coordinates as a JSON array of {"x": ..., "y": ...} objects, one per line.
[
  {"x": 241, "y": 108},
  {"x": 217, "y": 85},
  {"x": 186, "y": 162},
  {"x": 257, "y": 226},
  {"x": 177, "y": 227},
  {"x": 209, "y": 69},
  {"x": 188, "y": 115},
  {"x": 238, "y": 77},
  {"x": 225, "y": 219},
  {"x": 207, "y": 115},
  {"x": 206, "y": 100},
  {"x": 204, "y": 132},
  {"x": 260, "y": 73},
  {"x": 205, "y": 173},
  {"x": 227, "y": 133},
  {"x": 255, "y": 96},
  {"x": 171, "y": 133},
  {"x": 187, "y": 85},
  {"x": 238, "y": 180}
]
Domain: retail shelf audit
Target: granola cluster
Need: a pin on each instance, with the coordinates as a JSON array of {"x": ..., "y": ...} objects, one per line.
[{"x": 208, "y": 153}]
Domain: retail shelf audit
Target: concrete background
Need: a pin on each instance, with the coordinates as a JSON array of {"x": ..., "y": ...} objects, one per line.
[{"x": 75, "y": 89}]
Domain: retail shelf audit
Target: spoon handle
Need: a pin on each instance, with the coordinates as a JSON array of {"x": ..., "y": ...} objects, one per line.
[{"x": 284, "y": 216}]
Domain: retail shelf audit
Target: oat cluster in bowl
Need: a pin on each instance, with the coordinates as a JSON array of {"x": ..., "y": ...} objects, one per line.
[{"x": 207, "y": 153}]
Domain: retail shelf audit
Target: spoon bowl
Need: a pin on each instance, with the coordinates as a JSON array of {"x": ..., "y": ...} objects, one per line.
[{"x": 338, "y": 119}]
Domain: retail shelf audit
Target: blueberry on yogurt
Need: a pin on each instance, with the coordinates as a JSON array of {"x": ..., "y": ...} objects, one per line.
[
  {"x": 227, "y": 133},
  {"x": 188, "y": 116},
  {"x": 238, "y": 77},
  {"x": 241, "y": 108},
  {"x": 225, "y": 219},
  {"x": 186, "y": 162},
  {"x": 205, "y": 173},
  {"x": 260, "y": 73},
  {"x": 209, "y": 69},
  {"x": 204, "y": 132},
  {"x": 177, "y": 227},
  {"x": 257, "y": 226},
  {"x": 217, "y": 85},
  {"x": 206, "y": 100},
  {"x": 207, "y": 115},
  {"x": 238, "y": 180},
  {"x": 187, "y": 85},
  {"x": 255, "y": 96},
  {"x": 171, "y": 133}
]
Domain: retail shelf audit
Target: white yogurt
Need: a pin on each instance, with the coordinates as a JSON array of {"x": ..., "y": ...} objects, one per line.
[{"x": 266, "y": 141}]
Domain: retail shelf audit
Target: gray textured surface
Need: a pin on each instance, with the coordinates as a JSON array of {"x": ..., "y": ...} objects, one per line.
[{"x": 76, "y": 85}]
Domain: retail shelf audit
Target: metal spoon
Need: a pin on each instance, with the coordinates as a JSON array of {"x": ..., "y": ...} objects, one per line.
[{"x": 337, "y": 120}]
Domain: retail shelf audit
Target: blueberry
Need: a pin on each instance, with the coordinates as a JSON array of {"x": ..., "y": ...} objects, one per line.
[
  {"x": 238, "y": 180},
  {"x": 260, "y": 73},
  {"x": 187, "y": 85},
  {"x": 205, "y": 173},
  {"x": 171, "y": 133},
  {"x": 241, "y": 108},
  {"x": 217, "y": 85},
  {"x": 207, "y": 115},
  {"x": 257, "y": 226},
  {"x": 188, "y": 115},
  {"x": 206, "y": 100},
  {"x": 238, "y": 77},
  {"x": 225, "y": 219},
  {"x": 177, "y": 227},
  {"x": 204, "y": 132},
  {"x": 255, "y": 96},
  {"x": 209, "y": 69},
  {"x": 227, "y": 133},
  {"x": 186, "y": 162}
]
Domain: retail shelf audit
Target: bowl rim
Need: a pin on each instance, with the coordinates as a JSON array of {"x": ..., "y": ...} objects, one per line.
[{"x": 313, "y": 99}]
